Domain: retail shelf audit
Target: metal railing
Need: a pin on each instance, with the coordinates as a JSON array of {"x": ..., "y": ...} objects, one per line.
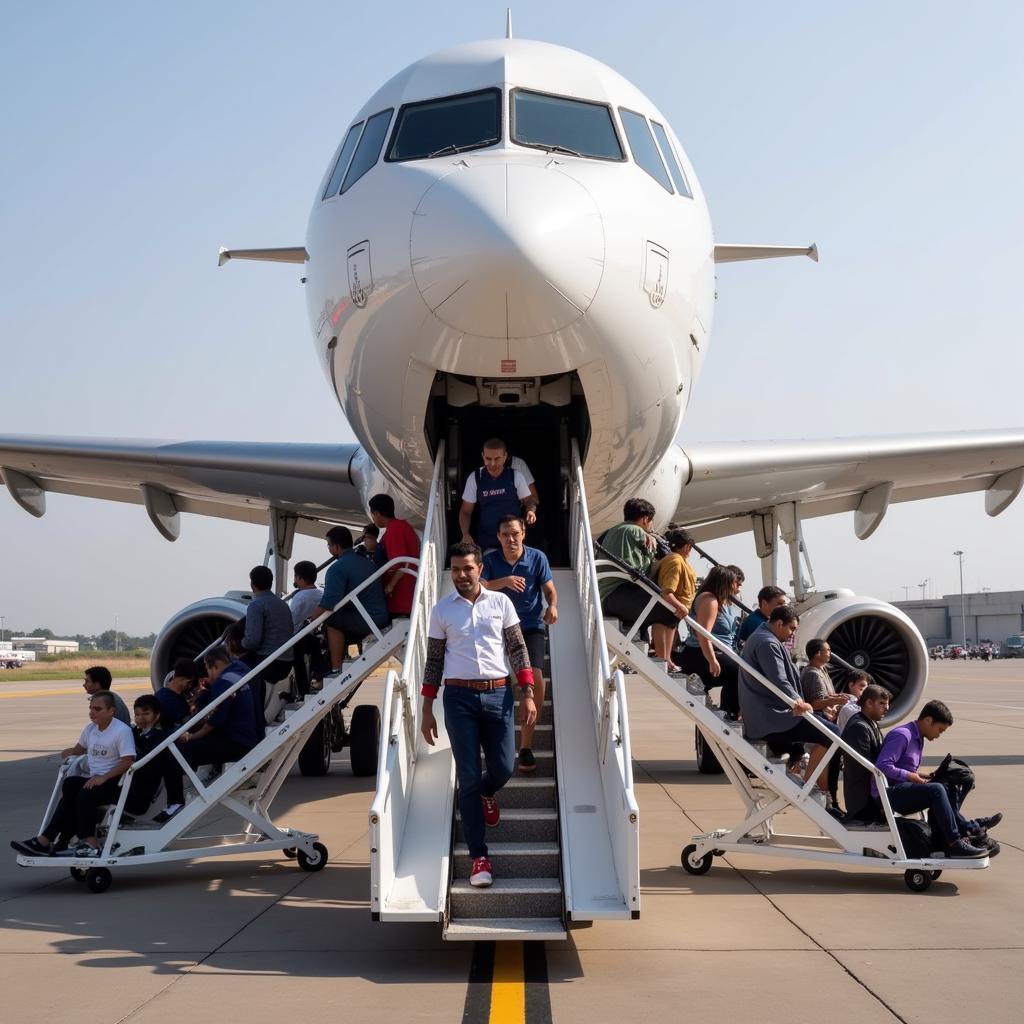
[{"x": 608, "y": 697}]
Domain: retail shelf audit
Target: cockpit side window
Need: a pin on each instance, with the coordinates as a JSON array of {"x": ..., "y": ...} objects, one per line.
[
  {"x": 341, "y": 164},
  {"x": 678, "y": 177},
  {"x": 451, "y": 125},
  {"x": 643, "y": 147},
  {"x": 369, "y": 147},
  {"x": 562, "y": 125}
]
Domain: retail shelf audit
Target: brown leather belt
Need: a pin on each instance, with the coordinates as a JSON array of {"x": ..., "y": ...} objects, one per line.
[{"x": 480, "y": 685}]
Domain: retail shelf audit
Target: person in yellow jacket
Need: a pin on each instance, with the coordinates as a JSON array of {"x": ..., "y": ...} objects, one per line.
[{"x": 678, "y": 582}]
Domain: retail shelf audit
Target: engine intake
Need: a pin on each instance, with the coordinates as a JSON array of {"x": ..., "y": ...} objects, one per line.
[
  {"x": 189, "y": 632},
  {"x": 873, "y": 636}
]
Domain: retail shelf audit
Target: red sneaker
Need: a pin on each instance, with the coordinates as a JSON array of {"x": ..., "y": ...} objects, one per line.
[
  {"x": 492, "y": 812},
  {"x": 480, "y": 876}
]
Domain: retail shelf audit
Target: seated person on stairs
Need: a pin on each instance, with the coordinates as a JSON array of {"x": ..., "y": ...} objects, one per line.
[
  {"x": 268, "y": 625},
  {"x": 229, "y": 733},
  {"x": 173, "y": 695},
  {"x": 768, "y": 599},
  {"x": 765, "y": 716},
  {"x": 149, "y": 734},
  {"x": 864, "y": 735}
]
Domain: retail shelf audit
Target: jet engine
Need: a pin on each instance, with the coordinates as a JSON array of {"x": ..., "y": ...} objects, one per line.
[
  {"x": 874, "y": 636},
  {"x": 189, "y": 632}
]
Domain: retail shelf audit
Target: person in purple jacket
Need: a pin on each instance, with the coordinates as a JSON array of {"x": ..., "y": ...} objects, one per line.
[{"x": 911, "y": 790}]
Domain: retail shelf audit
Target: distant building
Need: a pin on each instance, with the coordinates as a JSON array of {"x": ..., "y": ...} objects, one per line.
[
  {"x": 991, "y": 615},
  {"x": 41, "y": 645}
]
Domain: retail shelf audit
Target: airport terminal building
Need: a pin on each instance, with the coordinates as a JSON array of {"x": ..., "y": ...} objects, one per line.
[{"x": 991, "y": 615}]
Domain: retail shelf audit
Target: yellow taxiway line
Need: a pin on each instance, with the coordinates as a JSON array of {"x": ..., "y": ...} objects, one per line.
[
  {"x": 508, "y": 985},
  {"x": 64, "y": 693}
]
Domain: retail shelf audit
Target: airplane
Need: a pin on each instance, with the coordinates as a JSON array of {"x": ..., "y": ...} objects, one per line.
[{"x": 510, "y": 239}]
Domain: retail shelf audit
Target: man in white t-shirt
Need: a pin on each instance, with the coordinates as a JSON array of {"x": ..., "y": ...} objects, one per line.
[
  {"x": 305, "y": 601},
  {"x": 110, "y": 749}
]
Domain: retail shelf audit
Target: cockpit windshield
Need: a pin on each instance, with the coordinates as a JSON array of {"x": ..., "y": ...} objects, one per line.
[
  {"x": 451, "y": 125},
  {"x": 561, "y": 125}
]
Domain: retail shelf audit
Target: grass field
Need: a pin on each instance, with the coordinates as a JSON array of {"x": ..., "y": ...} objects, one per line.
[{"x": 72, "y": 668}]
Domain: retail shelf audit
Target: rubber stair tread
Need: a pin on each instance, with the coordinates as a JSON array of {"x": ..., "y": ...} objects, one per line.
[
  {"x": 523, "y": 886},
  {"x": 523, "y": 813},
  {"x": 512, "y": 848},
  {"x": 493, "y": 928}
]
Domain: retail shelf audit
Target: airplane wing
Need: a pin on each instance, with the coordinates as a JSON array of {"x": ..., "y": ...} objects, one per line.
[
  {"x": 728, "y": 482},
  {"x": 227, "y": 480}
]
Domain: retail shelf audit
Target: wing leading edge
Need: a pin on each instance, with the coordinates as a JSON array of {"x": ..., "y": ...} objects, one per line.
[
  {"x": 226, "y": 480},
  {"x": 727, "y": 483}
]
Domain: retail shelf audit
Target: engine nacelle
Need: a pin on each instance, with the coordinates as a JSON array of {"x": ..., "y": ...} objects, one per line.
[
  {"x": 871, "y": 635},
  {"x": 189, "y": 632}
]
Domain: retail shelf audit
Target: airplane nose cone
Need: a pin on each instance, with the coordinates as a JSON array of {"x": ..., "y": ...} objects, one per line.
[{"x": 507, "y": 250}]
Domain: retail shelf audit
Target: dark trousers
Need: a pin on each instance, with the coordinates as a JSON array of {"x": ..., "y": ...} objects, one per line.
[
  {"x": 692, "y": 661},
  {"x": 907, "y": 797},
  {"x": 273, "y": 673},
  {"x": 628, "y": 600},
  {"x": 476, "y": 720},
  {"x": 146, "y": 781},
  {"x": 78, "y": 810},
  {"x": 213, "y": 749}
]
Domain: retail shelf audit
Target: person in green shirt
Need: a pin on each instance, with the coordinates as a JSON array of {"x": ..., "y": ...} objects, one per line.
[{"x": 632, "y": 542}]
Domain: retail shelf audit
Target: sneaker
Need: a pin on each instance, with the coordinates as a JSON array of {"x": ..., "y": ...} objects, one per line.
[
  {"x": 962, "y": 848},
  {"x": 986, "y": 845},
  {"x": 984, "y": 824},
  {"x": 167, "y": 813},
  {"x": 527, "y": 762},
  {"x": 31, "y": 847},
  {"x": 85, "y": 850},
  {"x": 492, "y": 814},
  {"x": 481, "y": 876}
]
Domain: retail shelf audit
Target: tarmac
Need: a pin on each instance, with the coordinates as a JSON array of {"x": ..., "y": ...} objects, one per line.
[{"x": 259, "y": 940}]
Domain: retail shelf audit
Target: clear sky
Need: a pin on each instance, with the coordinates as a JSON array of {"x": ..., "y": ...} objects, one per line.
[{"x": 136, "y": 139}]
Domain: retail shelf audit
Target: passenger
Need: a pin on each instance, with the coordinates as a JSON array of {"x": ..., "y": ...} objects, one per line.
[
  {"x": 524, "y": 574},
  {"x": 305, "y": 602},
  {"x": 911, "y": 789},
  {"x": 767, "y": 717},
  {"x": 856, "y": 682},
  {"x": 632, "y": 542},
  {"x": 471, "y": 631},
  {"x": 369, "y": 545},
  {"x": 815, "y": 682},
  {"x": 229, "y": 733},
  {"x": 499, "y": 490},
  {"x": 268, "y": 625},
  {"x": 862, "y": 732},
  {"x": 678, "y": 583},
  {"x": 173, "y": 695},
  {"x": 233, "y": 641},
  {"x": 713, "y": 609},
  {"x": 399, "y": 540},
  {"x": 149, "y": 734},
  {"x": 346, "y": 625},
  {"x": 97, "y": 680},
  {"x": 768, "y": 599},
  {"x": 110, "y": 749}
]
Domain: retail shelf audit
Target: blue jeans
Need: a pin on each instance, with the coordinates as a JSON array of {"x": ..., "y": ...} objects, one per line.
[
  {"x": 906, "y": 797},
  {"x": 476, "y": 720}
]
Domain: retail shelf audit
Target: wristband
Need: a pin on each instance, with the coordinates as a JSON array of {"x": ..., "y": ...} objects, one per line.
[{"x": 525, "y": 678}]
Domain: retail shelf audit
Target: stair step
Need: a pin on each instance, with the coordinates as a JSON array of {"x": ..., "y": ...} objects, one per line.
[
  {"x": 526, "y": 929},
  {"x": 520, "y": 825},
  {"x": 513, "y": 860},
  {"x": 526, "y": 791},
  {"x": 545, "y": 764},
  {"x": 545, "y": 713},
  {"x": 507, "y": 897},
  {"x": 543, "y": 737}
]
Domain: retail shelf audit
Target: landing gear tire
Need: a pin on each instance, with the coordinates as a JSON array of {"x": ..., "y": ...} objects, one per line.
[
  {"x": 98, "y": 879},
  {"x": 339, "y": 735},
  {"x": 315, "y": 861},
  {"x": 78, "y": 874},
  {"x": 290, "y": 852},
  {"x": 935, "y": 875},
  {"x": 918, "y": 880},
  {"x": 707, "y": 763},
  {"x": 364, "y": 740},
  {"x": 693, "y": 864},
  {"x": 315, "y": 756}
]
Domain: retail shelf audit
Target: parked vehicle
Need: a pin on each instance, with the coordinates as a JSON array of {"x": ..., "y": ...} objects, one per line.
[{"x": 1014, "y": 646}]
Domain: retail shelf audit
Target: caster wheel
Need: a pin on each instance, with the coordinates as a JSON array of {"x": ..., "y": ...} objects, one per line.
[
  {"x": 935, "y": 874},
  {"x": 78, "y": 874},
  {"x": 315, "y": 861},
  {"x": 290, "y": 852},
  {"x": 918, "y": 880},
  {"x": 97, "y": 879},
  {"x": 693, "y": 864}
]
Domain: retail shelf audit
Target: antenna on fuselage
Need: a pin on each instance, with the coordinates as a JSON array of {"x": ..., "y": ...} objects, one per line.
[{"x": 508, "y": 22}]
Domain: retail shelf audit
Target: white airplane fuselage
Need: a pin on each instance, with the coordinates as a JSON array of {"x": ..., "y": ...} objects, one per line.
[{"x": 508, "y": 263}]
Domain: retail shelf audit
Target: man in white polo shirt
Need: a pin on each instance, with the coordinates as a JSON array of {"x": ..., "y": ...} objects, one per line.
[{"x": 470, "y": 632}]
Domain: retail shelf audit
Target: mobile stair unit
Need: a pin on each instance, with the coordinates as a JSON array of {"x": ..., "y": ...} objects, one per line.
[
  {"x": 244, "y": 789},
  {"x": 567, "y": 846}
]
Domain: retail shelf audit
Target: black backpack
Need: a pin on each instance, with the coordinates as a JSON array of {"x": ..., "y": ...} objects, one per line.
[
  {"x": 916, "y": 836},
  {"x": 957, "y": 777}
]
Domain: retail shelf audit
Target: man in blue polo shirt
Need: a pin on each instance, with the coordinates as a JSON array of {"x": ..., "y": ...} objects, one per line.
[
  {"x": 347, "y": 625},
  {"x": 525, "y": 576}
]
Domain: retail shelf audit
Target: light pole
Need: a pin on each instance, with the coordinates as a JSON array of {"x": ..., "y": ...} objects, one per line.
[
  {"x": 924, "y": 586},
  {"x": 906, "y": 591},
  {"x": 116, "y": 647},
  {"x": 963, "y": 608},
  {"x": 3, "y": 623}
]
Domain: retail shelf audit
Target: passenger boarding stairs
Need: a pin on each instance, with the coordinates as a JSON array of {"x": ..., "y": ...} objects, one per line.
[
  {"x": 245, "y": 788},
  {"x": 567, "y": 846}
]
